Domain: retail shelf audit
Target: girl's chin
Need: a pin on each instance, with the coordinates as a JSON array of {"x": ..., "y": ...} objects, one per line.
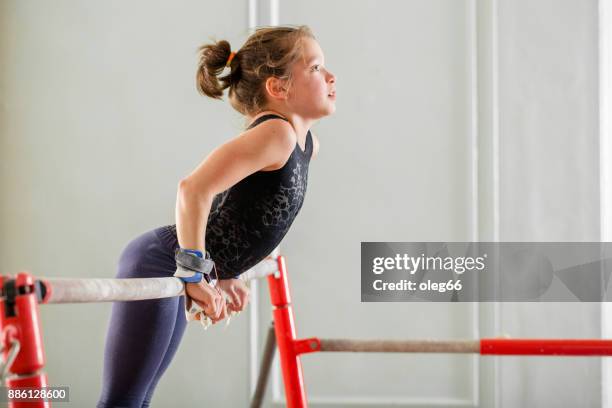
[{"x": 331, "y": 110}]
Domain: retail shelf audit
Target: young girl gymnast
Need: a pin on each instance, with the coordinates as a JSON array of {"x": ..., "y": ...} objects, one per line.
[{"x": 231, "y": 211}]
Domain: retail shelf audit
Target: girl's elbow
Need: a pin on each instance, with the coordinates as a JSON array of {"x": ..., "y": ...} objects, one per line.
[
  {"x": 183, "y": 185},
  {"x": 187, "y": 190}
]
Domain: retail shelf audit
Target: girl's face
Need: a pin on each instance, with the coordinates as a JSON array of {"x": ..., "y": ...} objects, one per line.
[{"x": 313, "y": 91}]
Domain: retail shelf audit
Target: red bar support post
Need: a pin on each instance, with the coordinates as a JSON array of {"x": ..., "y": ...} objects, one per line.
[
  {"x": 20, "y": 320},
  {"x": 284, "y": 326}
]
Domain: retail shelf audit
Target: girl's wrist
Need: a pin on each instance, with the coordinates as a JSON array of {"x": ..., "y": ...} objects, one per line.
[
  {"x": 194, "y": 251},
  {"x": 193, "y": 266}
]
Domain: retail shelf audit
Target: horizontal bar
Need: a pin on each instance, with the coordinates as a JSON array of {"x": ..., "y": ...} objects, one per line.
[
  {"x": 84, "y": 290},
  {"x": 548, "y": 347},
  {"x": 496, "y": 346},
  {"x": 401, "y": 346},
  {"x": 262, "y": 269},
  {"x": 62, "y": 290}
]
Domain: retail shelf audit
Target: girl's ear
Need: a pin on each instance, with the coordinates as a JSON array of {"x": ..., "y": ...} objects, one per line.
[{"x": 276, "y": 88}]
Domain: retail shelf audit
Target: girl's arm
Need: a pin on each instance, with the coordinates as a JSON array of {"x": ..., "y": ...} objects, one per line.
[{"x": 270, "y": 143}]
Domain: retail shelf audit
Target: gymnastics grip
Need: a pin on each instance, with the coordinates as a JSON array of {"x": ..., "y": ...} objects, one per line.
[{"x": 192, "y": 267}]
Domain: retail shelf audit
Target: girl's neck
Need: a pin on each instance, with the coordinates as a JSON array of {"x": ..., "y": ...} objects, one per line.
[{"x": 299, "y": 124}]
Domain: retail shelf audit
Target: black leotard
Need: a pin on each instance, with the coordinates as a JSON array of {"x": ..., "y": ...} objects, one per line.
[{"x": 248, "y": 220}]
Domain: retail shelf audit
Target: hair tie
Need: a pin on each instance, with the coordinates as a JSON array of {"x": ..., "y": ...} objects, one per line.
[{"x": 230, "y": 58}]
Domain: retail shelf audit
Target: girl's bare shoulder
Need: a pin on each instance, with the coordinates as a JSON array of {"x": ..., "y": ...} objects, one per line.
[{"x": 274, "y": 131}]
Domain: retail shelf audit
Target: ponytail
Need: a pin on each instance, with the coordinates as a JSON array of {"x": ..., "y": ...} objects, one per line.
[{"x": 213, "y": 58}]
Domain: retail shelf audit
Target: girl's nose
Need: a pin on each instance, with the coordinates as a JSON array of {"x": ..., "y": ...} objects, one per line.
[{"x": 332, "y": 77}]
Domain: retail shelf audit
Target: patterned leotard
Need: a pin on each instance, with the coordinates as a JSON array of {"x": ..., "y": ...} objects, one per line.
[{"x": 248, "y": 220}]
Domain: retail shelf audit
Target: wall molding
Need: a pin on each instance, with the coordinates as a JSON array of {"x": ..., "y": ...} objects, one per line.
[
  {"x": 488, "y": 164},
  {"x": 605, "y": 173}
]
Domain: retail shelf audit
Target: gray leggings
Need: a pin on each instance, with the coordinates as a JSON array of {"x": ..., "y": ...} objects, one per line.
[{"x": 143, "y": 336}]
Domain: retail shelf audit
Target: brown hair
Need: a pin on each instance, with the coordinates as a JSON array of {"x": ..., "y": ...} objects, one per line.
[{"x": 269, "y": 51}]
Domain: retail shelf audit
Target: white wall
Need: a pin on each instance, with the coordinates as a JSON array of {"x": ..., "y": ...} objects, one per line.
[
  {"x": 549, "y": 179},
  {"x": 98, "y": 105},
  {"x": 456, "y": 121}
]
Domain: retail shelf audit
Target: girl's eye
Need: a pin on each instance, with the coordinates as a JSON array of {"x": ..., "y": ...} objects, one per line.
[{"x": 316, "y": 67}]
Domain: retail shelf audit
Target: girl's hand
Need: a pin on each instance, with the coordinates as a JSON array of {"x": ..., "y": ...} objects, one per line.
[
  {"x": 209, "y": 299},
  {"x": 237, "y": 291}
]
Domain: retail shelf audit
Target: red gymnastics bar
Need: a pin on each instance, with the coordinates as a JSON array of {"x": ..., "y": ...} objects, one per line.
[
  {"x": 290, "y": 347},
  {"x": 23, "y": 356},
  {"x": 546, "y": 347}
]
